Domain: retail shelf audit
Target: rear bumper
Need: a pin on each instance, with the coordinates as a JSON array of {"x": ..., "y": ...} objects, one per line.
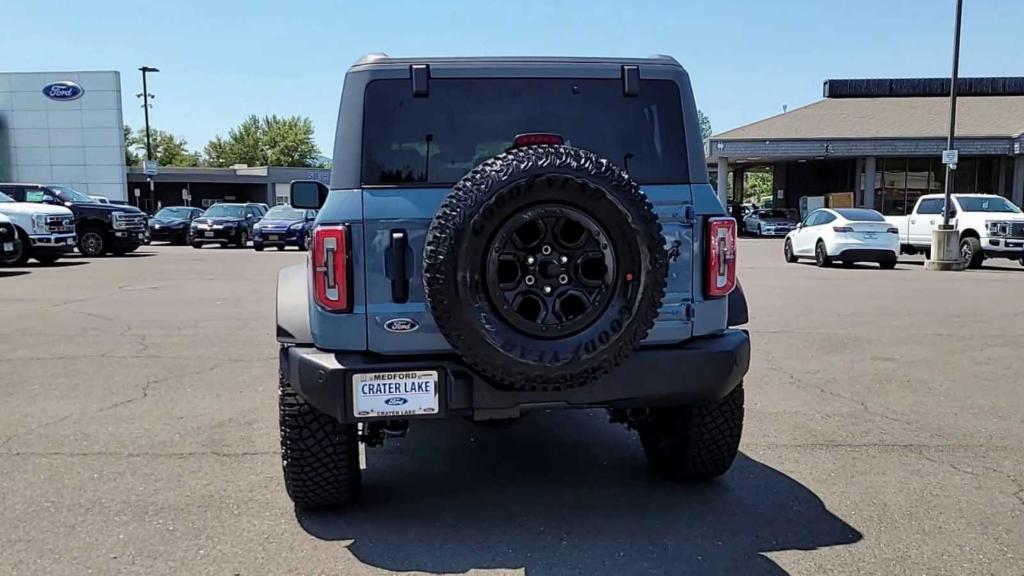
[
  {"x": 697, "y": 371},
  {"x": 866, "y": 255}
]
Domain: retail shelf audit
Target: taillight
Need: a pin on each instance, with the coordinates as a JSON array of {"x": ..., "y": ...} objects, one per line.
[
  {"x": 892, "y": 231},
  {"x": 721, "y": 257},
  {"x": 842, "y": 229},
  {"x": 332, "y": 288},
  {"x": 537, "y": 139}
]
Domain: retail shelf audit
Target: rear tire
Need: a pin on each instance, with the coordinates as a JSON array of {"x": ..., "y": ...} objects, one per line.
[
  {"x": 821, "y": 257},
  {"x": 888, "y": 264},
  {"x": 257, "y": 247},
  {"x": 319, "y": 455},
  {"x": 694, "y": 443},
  {"x": 243, "y": 239},
  {"x": 280, "y": 248},
  {"x": 197, "y": 245},
  {"x": 971, "y": 252}
]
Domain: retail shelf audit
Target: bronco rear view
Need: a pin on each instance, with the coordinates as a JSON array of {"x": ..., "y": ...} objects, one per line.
[{"x": 508, "y": 234}]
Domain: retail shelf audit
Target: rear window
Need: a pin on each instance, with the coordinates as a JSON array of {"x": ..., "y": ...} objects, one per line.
[
  {"x": 860, "y": 215},
  {"x": 435, "y": 140}
]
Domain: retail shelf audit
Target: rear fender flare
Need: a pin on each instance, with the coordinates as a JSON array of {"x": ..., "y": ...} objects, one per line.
[
  {"x": 737, "y": 305},
  {"x": 293, "y": 306}
]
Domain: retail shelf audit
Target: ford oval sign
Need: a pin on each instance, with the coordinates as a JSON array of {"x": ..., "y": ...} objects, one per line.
[
  {"x": 63, "y": 91},
  {"x": 396, "y": 401},
  {"x": 401, "y": 325}
]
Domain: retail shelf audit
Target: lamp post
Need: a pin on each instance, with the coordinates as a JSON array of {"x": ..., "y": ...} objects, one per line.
[
  {"x": 145, "y": 107},
  {"x": 945, "y": 239}
]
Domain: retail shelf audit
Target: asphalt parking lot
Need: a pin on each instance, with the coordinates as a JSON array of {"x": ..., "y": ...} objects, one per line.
[{"x": 885, "y": 419}]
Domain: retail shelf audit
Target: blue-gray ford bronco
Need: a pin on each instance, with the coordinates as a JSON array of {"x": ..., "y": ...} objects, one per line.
[{"x": 508, "y": 234}]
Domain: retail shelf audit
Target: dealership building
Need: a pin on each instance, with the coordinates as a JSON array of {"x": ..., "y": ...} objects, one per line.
[
  {"x": 880, "y": 141},
  {"x": 63, "y": 128}
]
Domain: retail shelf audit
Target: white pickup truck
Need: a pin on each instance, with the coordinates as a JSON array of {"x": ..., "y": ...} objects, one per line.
[{"x": 990, "y": 226}]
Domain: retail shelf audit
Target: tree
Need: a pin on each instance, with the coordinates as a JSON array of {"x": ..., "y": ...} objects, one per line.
[
  {"x": 130, "y": 157},
  {"x": 705, "y": 125},
  {"x": 266, "y": 141},
  {"x": 168, "y": 149},
  {"x": 756, "y": 185}
]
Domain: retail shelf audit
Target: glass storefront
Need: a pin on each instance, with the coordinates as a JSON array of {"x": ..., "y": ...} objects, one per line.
[{"x": 903, "y": 180}]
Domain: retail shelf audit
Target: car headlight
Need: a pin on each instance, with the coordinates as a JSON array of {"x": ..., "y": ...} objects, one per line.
[
  {"x": 39, "y": 222},
  {"x": 230, "y": 224},
  {"x": 998, "y": 227},
  {"x": 296, "y": 226}
]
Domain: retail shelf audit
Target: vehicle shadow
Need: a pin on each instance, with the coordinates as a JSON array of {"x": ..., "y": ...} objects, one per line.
[
  {"x": 62, "y": 263},
  {"x": 567, "y": 494},
  {"x": 12, "y": 273}
]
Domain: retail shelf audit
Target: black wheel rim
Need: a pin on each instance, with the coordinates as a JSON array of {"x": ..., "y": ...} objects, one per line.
[
  {"x": 550, "y": 271},
  {"x": 819, "y": 253},
  {"x": 92, "y": 243},
  {"x": 788, "y": 250}
]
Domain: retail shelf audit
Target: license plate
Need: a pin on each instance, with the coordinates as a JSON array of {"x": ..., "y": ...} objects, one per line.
[
  {"x": 272, "y": 237},
  {"x": 8, "y": 246},
  {"x": 393, "y": 394},
  {"x": 869, "y": 235},
  {"x": 208, "y": 234}
]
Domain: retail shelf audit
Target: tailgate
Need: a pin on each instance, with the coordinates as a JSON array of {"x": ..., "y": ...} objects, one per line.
[{"x": 395, "y": 223}]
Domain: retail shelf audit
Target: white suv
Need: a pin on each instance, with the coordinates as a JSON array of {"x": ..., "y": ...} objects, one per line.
[{"x": 44, "y": 232}]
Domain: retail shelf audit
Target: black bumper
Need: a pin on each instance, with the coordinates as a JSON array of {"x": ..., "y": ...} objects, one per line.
[
  {"x": 866, "y": 255},
  {"x": 15, "y": 245},
  {"x": 224, "y": 235},
  {"x": 127, "y": 239},
  {"x": 168, "y": 234},
  {"x": 700, "y": 370}
]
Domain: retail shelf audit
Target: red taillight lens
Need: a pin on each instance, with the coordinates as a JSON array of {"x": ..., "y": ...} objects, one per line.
[
  {"x": 537, "y": 139},
  {"x": 842, "y": 229},
  {"x": 721, "y": 257},
  {"x": 329, "y": 259}
]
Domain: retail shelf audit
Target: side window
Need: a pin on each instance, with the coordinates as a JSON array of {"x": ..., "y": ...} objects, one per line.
[
  {"x": 34, "y": 195},
  {"x": 812, "y": 219},
  {"x": 825, "y": 218},
  {"x": 930, "y": 206},
  {"x": 253, "y": 212}
]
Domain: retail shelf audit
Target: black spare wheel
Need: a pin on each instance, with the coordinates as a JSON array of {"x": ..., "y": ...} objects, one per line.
[{"x": 545, "y": 267}]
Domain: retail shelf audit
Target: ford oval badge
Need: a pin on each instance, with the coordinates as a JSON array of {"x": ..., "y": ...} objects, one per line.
[
  {"x": 63, "y": 91},
  {"x": 396, "y": 401},
  {"x": 400, "y": 325}
]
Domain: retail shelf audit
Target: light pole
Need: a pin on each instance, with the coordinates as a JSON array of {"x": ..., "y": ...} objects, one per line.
[
  {"x": 145, "y": 107},
  {"x": 945, "y": 240}
]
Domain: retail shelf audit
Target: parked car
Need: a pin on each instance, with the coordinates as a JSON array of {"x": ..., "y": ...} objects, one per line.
[
  {"x": 226, "y": 224},
  {"x": 45, "y": 233},
  {"x": 263, "y": 208},
  {"x": 101, "y": 228},
  {"x": 101, "y": 199},
  {"x": 10, "y": 243},
  {"x": 283, "y": 226},
  {"x": 770, "y": 222},
  {"x": 846, "y": 235},
  {"x": 172, "y": 224},
  {"x": 990, "y": 226},
  {"x": 465, "y": 265}
]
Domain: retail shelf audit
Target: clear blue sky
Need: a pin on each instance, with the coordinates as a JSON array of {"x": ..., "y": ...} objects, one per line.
[{"x": 224, "y": 59}]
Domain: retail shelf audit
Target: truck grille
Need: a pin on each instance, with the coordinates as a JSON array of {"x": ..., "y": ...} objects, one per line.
[
  {"x": 60, "y": 223},
  {"x": 131, "y": 221},
  {"x": 1017, "y": 229}
]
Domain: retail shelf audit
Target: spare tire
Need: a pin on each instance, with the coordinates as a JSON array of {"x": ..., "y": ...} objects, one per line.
[{"x": 544, "y": 268}]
